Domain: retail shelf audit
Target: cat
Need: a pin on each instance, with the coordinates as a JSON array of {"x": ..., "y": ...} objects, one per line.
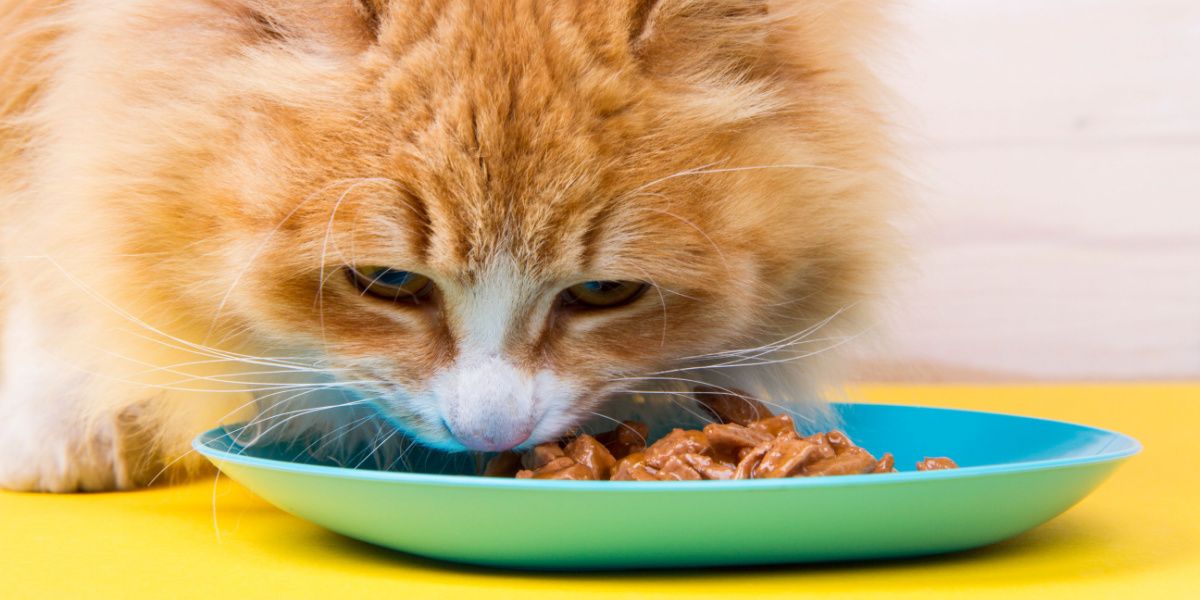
[{"x": 481, "y": 221}]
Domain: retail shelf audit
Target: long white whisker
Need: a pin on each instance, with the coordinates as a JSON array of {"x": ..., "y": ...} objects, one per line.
[
  {"x": 320, "y": 299},
  {"x": 705, "y": 170},
  {"x": 83, "y": 287},
  {"x": 375, "y": 448},
  {"x": 348, "y": 427},
  {"x": 260, "y": 248},
  {"x": 795, "y": 336},
  {"x": 753, "y": 360},
  {"x": 620, "y": 424},
  {"x": 293, "y": 415}
]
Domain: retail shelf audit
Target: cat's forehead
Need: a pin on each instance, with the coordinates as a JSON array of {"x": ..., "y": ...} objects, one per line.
[
  {"x": 515, "y": 150},
  {"x": 536, "y": 149},
  {"x": 469, "y": 66}
]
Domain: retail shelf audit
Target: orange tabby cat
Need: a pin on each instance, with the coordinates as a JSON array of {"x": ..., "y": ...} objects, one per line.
[{"x": 488, "y": 220}]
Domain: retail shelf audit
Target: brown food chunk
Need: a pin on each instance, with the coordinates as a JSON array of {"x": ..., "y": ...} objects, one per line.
[
  {"x": 838, "y": 440},
  {"x": 776, "y": 425},
  {"x": 786, "y": 456},
  {"x": 887, "y": 464},
  {"x": 745, "y": 466},
  {"x": 728, "y": 438},
  {"x": 573, "y": 471},
  {"x": 541, "y": 455},
  {"x": 749, "y": 443},
  {"x": 732, "y": 406},
  {"x": 850, "y": 461},
  {"x": 936, "y": 463},
  {"x": 708, "y": 467},
  {"x": 824, "y": 448},
  {"x": 675, "y": 443},
  {"x": 629, "y": 437},
  {"x": 676, "y": 469},
  {"x": 561, "y": 462},
  {"x": 590, "y": 453},
  {"x": 505, "y": 464},
  {"x": 633, "y": 468}
]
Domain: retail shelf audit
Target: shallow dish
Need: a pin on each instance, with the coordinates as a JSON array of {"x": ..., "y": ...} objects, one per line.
[{"x": 1017, "y": 472}]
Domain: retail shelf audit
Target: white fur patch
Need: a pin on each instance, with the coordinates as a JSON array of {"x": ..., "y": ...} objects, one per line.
[
  {"x": 486, "y": 401},
  {"x": 45, "y": 442},
  {"x": 486, "y": 313}
]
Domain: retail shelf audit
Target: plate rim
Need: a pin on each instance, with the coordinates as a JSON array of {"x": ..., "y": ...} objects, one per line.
[{"x": 1129, "y": 448}]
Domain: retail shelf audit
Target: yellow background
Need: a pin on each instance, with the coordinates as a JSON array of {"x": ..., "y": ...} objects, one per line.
[{"x": 1137, "y": 537}]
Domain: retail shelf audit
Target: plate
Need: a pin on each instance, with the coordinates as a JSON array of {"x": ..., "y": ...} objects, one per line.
[{"x": 1017, "y": 472}]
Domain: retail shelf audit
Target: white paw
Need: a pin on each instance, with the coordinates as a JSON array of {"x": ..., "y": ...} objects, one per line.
[
  {"x": 33, "y": 459},
  {"x": 116, "y": 454}
]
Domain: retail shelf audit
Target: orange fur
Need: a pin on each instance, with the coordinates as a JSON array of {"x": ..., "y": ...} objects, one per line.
[{"x": 209, "y": 166}]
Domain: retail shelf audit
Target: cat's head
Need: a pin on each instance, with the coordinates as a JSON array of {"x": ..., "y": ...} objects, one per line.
[{"x": 489, "y": 216}]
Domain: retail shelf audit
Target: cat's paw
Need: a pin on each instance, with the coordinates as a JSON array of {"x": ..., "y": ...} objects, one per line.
[
  {"x": 33, "y": 459},
  {"x": 114, "y": 455}
]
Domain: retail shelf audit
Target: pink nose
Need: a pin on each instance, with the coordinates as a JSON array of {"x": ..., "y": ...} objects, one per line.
[{"x": 490, "y": 441}]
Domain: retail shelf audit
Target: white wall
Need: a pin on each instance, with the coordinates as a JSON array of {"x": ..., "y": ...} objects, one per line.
[{"x": 1056, "y": 150}]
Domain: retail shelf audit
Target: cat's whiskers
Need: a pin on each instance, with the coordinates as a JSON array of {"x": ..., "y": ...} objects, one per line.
[
  {"x": 291, "y": 415},
  {"x": 226, "y": 378},
  {"x": 175, "y": 388},
  {"x": 675, "y": 396},
  {"x": 347, "y": 427},
  {"x": 233, "y": 333},
  {"x": 181, "y": 343},
  {"x": 620, "y": 424},
  {"x": 325, "y": 242},
  {"x": 282, "y": 363},
  {"x": 840, "y": 341},
  {"x": 687, "y": 383},
  {"x": 794, "y": 336},
  {"x": 708, "y": 418},
  {"x": 319, "y": 300},
  {"x": 262, "y": 246},
  {"x": 375, "y": 448},
  {"x": 706, "y": 170},
  {"x": 232, "y": 435},
  {"x": 216, "y": 361},
  {"x": 402, "y": 454},
  {"x": 720, "y": 254},
  {"x": 259, "y": 399},
  {"x": 756, "y": 356},
  {"x": 685, "y": 172},
  {"x": 662, "y": 301}
]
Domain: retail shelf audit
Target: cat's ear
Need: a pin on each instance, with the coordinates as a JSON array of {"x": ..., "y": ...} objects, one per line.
[
  {"x": 720, "y": 58},
  {"x": 350, "y": 24},
  {"x": 690, "y": 37},
  {"x": 735, "y": 60}
]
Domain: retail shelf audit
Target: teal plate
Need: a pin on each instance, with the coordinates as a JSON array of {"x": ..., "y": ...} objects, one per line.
[{"x": 1017, "y": 472}]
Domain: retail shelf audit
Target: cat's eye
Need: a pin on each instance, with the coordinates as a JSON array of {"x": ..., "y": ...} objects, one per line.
[
  {"x": 391, "y": 284},
  {"x": 603, "y": 294}
]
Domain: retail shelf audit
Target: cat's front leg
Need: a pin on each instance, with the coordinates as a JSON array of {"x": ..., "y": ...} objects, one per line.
[
  {"x": 53, "y": 437},
  {"x": 66, "y": 425},
  {"x": 46, "y": 447}
]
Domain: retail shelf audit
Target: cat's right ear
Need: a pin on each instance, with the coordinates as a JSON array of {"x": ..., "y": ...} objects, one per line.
[
  {"x": 718, "y": 58},
  {"x": 692, "y": 37}
]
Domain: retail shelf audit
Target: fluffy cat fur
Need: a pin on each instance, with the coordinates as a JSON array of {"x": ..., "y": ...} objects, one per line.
[{"x": 183, "y": 183}]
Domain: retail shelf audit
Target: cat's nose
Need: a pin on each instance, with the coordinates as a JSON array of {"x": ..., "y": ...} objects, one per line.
[
  {"x": 491, "y": 441},
  {"x": 487, "y": 404}
]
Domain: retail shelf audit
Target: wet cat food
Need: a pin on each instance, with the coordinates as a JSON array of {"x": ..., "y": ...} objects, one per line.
[{"x": 746, "y": 442}]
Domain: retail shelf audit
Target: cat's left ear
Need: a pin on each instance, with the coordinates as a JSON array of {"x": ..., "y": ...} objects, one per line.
[{"x": 350, "y": 24}]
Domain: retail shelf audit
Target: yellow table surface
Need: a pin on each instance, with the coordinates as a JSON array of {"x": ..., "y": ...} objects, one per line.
[{"x": 1138, "y": 536}]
